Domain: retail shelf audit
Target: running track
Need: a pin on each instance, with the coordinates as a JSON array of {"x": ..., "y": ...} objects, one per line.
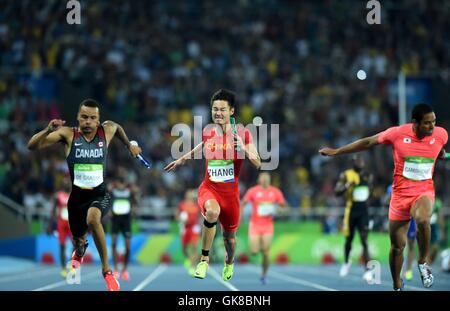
[{"x": 246, "y": 278}]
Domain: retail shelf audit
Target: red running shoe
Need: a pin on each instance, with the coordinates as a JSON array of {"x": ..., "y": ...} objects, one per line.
[
  {"x": 111, "y": 282},
  {"x": 116, "y": 274},
  {"x": 76, "y": 260},
  {"x": 125, "y": 275}
]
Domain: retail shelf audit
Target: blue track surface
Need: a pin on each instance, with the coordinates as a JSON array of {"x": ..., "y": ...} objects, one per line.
[{"x": 28, "y": 277}]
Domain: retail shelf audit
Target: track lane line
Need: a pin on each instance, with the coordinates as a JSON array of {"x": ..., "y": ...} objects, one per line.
[
  {"x": 28, "y": 274},
  {"x": 152, "y": 276},
  {"x": 218, "y": 278},
  {"x": 295, "y": 280},
  {"x": 63, "y": 283}
]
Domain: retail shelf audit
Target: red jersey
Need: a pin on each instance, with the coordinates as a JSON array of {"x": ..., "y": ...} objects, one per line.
[
  {"x": 264, "y": 201},
  {"x": 414, "y": 159},
  {"x": 61, "y": 205},
  {"x": 192, "y": 211},
  {"x": 223, "y": 162}
]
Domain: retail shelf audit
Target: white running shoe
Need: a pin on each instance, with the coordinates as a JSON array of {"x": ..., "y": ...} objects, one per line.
[
  {"x": 401, "y": 289},
  {"x": 368, "y": 276},
  {"x": 426, "y": 275},
  {"x": 345, "y": 268}
]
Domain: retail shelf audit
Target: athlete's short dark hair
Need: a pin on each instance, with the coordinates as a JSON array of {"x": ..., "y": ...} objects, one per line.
[
  {"x": 89, "y": 102},
  {"x": 226, "y": 95},
  {"x": 419, "y": 111}
]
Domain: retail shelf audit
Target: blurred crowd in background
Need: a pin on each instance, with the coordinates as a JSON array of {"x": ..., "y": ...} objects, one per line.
[{"x": 154, "y": 64}]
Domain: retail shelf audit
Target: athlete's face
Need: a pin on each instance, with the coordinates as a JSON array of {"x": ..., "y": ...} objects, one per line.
[
  {"x": 426, "y": 126},
  {"x": 264, "y": 180},
  {"x": 189, "y": 196},
  {"x": 221, "y": 112},
  {"x": 359, "y": 163},
  {"x": 121, "y": 183},
  {"x": 88, "y": 119}
]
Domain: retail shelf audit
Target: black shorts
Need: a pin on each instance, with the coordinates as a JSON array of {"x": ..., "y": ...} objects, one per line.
[
  {"x": 121, "y": 224},
  {"x": 80, "y": 201},
  {"x": 359, "y": 219}
]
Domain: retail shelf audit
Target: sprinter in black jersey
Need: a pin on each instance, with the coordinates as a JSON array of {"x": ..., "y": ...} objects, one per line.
[
  {"x": 124, "y": 198},
  {"x": 86, "y": 148}
]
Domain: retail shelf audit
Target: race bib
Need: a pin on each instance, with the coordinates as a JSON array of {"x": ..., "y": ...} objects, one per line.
[
  {"x": 418, "y": 168},
  {"x": 183, "y": 217},
  {"x": 121, "y": 207},
  {"x": 64, "y": 214},
  {"x": 88, "y": 175},
  {"x": 221, "y": 170},
  {"x": 360, "y": 193},
  {"x": 197, "y": 229},
  {"x": 266, "y": 209}
]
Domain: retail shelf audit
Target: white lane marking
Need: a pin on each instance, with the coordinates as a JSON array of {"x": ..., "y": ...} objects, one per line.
[
  {"x": 354, "y": 277},
  {"x": 216, "y": 276},
  {"x": 64, "y": 283},
  {"x": 153, "y": 275},
  {"x": 28, "y": 275},
  {"x": 291, "y": 279}
]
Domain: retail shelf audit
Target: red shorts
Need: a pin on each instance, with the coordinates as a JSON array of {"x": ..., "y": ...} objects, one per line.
[
  {"x": 229, "y": 203},
  {"x": 63, "y": 231},
  {"x": 400, "y": 205},
  {"x": 190, "y": 235},
  {"x": 257, "y": 229}
]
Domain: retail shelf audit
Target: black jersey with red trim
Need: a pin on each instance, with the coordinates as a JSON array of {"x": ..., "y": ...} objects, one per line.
[{"x": 87, "y": 160}]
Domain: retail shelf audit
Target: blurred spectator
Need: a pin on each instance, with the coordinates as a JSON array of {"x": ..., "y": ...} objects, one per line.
[{"x": 152, "y": 64}]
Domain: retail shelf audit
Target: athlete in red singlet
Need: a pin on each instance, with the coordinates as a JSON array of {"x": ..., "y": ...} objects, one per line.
[
  {"x": 188, "y": 214},
  {"x": 61, "y": 215},
  {"x": 264, "y": 199},
  {"x": 416, "y": 147},
  {"x": 218, "y": 195}
]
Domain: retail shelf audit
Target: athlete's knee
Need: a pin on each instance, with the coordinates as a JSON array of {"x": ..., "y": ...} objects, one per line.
[
  {"x": 364, "y": 242},
  {"x": 364, "y": 233},
  {"x": 93, "y": 220},
  {"x": 212, "y": 214},
  {"x": 423, "y": 210},
  {"x": 398, "y": 248},
  {"x": 254, "y": 250},
  {"x": 265, "y": 252},
  {"x": 349, "y": 240},
  {"x": 364, "y": 236},
  {"x": 229, "y": 238}
]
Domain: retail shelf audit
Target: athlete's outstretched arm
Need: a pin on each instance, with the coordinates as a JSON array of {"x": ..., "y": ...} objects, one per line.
[
  {"x": 359, "y": 145},
  {"x": 113, "y": 129},
  {"x": 252, "y": 153},
  {"x": 54, "y": 132},
  {"x": 181, "y": 161}
]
